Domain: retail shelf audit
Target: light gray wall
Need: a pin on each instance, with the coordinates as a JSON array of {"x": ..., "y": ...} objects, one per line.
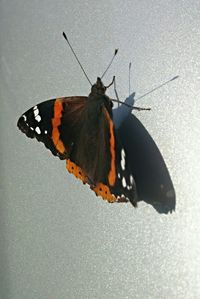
[{"x": 57, "y": 239}]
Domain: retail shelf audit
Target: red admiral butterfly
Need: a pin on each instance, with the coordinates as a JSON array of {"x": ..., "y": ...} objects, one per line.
[{"x": 81, "y": 131}]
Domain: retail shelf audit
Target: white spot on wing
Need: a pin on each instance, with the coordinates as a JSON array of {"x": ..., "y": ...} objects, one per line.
[
  {"x": 36, "y": 112},
  {"x": 35, "y": 107},
  {"x": 131, "y": 179},
  {"x": 37, "y": 130},
  {"x": 45, "y": 132},
  {"x": 123, "y": 162},
  {"x": 38, "y": 118},
  {"x": 124, "y": 182},
  {"x": 119, "y": 176},
  {"x": 24, "y": 117}
]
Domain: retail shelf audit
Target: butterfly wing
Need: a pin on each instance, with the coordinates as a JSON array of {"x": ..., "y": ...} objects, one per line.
[
  {"x": 99, "y": 159},
  {"x": 117, "y": 182},
  {"x": 84, "y": 135},
  {"x": 43, "y": 122}
]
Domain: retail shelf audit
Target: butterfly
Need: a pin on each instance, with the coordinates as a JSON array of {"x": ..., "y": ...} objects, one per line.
[{"x": 81, "y": 131}]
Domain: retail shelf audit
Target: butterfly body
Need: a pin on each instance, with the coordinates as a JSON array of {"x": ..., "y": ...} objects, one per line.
[{"x": 81, "y": 131}]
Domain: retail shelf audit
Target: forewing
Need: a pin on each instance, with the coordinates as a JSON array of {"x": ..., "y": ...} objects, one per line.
[{"x": 55, "y": 123}]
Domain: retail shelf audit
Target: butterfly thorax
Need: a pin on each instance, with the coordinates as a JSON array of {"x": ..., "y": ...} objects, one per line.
[
  {"x": 99, "y": 97},
  {"x": 98, "y": 88}
]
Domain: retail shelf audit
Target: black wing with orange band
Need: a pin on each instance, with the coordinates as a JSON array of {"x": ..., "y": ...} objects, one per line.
[
  {"x": 119, "y": 184},
  {"x": 87, "y": 140},
  {"x": 43, "y": 122}
]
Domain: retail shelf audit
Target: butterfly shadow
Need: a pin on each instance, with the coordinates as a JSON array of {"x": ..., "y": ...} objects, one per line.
[{"x": 154, "y": 185}]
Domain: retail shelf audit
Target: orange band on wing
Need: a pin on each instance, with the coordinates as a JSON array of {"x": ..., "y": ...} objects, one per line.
[
  {"x": 56, "y": 121},
  {"x": 76, "y": 170},
  {"x": 112, "y": 172},
  {"x": 104, "y": 191}
]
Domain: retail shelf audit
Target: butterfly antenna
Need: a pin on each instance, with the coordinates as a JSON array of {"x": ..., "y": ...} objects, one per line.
[
  {"x": 115, "y": 53},
  {"x": 154, "y": 89},
  {"x": 76, "y": 58},
  {"x": 129, "y": 79}
]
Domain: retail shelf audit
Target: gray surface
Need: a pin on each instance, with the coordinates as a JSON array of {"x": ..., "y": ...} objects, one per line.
[{"x": 57, "y": 239}]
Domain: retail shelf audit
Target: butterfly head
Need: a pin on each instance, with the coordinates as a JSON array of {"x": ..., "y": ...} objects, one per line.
[{"x": 98, "y": 88}]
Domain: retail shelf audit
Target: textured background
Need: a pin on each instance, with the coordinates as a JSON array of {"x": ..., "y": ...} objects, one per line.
[{"x": 57, "y": 239}]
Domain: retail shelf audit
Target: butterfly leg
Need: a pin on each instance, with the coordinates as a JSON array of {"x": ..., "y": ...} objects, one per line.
[
  {"x": 113, "y": 80},
  {"x": 118, "y": 100},
  {"x": 115, "y": 90},
  {"x": 140, "y": 108}
]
